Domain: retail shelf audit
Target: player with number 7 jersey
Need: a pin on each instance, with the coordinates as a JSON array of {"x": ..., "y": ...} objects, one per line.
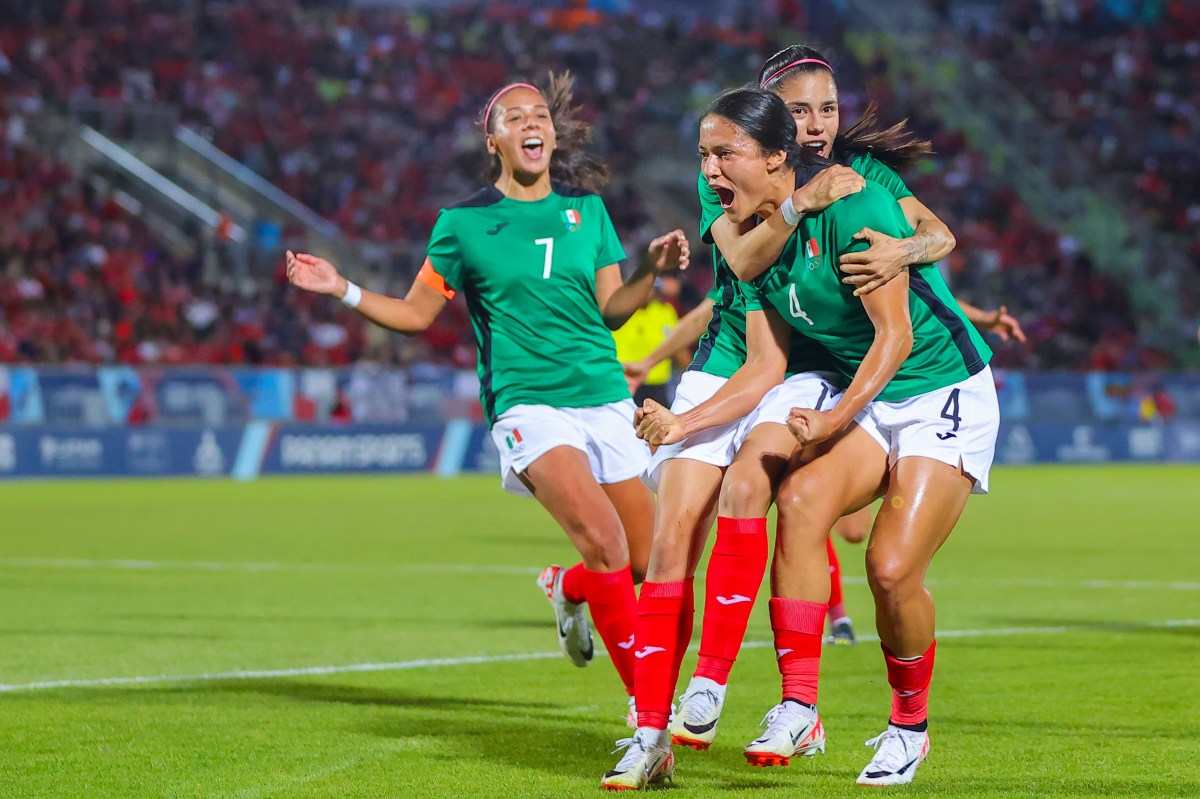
[{"x": 535, "y": 256}]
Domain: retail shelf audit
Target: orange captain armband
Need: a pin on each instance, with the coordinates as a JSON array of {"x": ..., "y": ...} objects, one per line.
[{"x": 430, "y": 278}]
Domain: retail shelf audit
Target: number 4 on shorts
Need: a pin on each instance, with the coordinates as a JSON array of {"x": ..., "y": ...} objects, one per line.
[{"x": 950, "y": 411}]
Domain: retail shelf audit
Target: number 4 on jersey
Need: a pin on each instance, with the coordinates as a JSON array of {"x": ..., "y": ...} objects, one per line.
[{"x": 794, "y": 305}]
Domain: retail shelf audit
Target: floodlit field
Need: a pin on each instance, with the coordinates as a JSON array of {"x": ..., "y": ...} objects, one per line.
[{"x": 382, "y": 637}]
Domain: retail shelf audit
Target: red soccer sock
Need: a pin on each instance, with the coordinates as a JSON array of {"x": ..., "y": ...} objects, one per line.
[
  {"x": 836, "y": 609},
  {"x": 735, "y": 572},
  {"x": 797, "y": 625},
  {"x": 687, "y": 621},
  {"x": 574, "y": 584},
  {"x": 611, "y": 598},
  {"x": 654, "y": 668},
  {"x": 910, "y": 686}
]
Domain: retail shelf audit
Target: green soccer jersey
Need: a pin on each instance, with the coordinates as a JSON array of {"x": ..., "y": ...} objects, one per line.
[
  {"x": 722, "y": 348},
  {"x": 806, "y": 288},
  {"x": 528, "y": 272}
]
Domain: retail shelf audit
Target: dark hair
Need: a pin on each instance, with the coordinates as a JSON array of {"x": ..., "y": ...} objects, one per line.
[
  {"x": 784, "y": 65},
  {"x": 764, "y": 117},
  {"x": 571, "y": 164},
  {"x": 896, "y": 147}
]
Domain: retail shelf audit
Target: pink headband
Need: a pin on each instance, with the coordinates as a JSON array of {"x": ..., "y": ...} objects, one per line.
[
  {"x": 777, "y": 73},
  {"x": 488, "y": 113}
]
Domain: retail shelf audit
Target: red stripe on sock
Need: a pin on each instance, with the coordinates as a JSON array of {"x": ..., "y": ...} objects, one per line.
[
  {"x": 797, "y": 625},
  {"x": 654, "y": 669},
  {"x": 735, "y": 572},
  {"x": 613, "y": 603},
  {"x": 574, "y": 583},
  {"x": 910, "y": 681}
]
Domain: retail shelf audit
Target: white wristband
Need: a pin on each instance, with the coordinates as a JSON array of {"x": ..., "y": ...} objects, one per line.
[
  {"x": 353, "y": 295},
  {"x": 790, "y": 214}
]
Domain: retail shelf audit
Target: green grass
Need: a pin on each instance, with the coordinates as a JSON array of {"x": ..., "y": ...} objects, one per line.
[{"x": 288, "y": 574}]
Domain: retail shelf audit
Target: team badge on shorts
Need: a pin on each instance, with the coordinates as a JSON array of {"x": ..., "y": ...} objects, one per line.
[
  {"x": 572, "y": 219},
  {"x": 514, "y": 441}
]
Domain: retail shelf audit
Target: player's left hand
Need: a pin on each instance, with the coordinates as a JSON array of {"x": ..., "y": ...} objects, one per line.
[
  {"x": 656, "y": 425},
  {"x": 873, "y": 267},
  {"x": 669, "y": 252},
  {"x": 809, "y": 426},
  {"x": 1005, "y": 325}
]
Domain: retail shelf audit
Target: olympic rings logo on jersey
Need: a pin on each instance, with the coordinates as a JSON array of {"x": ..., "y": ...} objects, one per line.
[{"x": 572, "y": 220}]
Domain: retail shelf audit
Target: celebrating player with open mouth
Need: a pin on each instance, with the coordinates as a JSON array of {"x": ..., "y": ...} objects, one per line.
[
  {"x": 535, "y": 255},
  {"x": 916, "y": 424}
]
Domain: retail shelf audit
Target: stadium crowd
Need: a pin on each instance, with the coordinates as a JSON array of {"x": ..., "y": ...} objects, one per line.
[{"x": 368, "y": 118}]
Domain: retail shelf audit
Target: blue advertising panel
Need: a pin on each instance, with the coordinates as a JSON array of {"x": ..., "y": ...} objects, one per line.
[
  {"x": 116, "y": 452},
  {"x": 309, "y": 449}
]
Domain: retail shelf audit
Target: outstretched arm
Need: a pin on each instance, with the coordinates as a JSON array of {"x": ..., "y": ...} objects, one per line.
[
  {"x": 409, "y": 316},
  {"x": 931, "y": 241},
  {"x": 618, "y": 300},
  {"x": 749, "y": 253},
  {"x": 998, "y": 321},
  {"x": 767, "y": 344},
  {"x": 689, "y": 330}
]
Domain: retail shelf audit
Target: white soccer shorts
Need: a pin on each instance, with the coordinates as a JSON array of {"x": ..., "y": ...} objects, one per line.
[
  {"x": 956, "y": 424},
  {"x": 716, "y": 445},
  {"x": 604, "y": 433}
]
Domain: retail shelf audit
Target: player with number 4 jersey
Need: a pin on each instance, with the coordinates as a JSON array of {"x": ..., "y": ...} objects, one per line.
[
  {"x": 535, "y": 256},
  {"x": 917, "y": 424}
]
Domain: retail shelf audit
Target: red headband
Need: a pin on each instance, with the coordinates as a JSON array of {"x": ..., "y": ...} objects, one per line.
[
  {"x": 488, "y": 113},
  {"x": 779, "y": 72}
]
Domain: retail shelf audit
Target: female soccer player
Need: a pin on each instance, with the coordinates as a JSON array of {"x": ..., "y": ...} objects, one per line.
[
  {"x": 535, "y": 255},
  {"x": 803, "y": 78},
  {"x": 916, "y": 424}
]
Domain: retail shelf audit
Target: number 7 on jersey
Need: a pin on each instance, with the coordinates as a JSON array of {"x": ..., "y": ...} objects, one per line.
[{"x": 549, "y": 243}]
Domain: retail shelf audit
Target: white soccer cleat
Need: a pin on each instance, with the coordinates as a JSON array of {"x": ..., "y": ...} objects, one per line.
[
  {"x": 574, "y": 631},
  {"x": 695, "y": 725},
  {"x": 648, "y": 760},
  {"x": 898, "y": 752},
  {"x": 791, "y": 729}
]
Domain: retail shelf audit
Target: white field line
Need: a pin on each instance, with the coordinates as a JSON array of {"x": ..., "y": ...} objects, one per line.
[
  {"x": 518, "y": 571},
  {"x": 258, "y": 567},
  {"x": 430, "y": 663}
]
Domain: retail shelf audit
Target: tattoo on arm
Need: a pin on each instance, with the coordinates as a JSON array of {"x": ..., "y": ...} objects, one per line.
[{"x": 916, "y": 248}]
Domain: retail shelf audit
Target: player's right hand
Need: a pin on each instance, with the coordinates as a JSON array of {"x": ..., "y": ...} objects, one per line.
[
  {"x": 635, "y": 374},
  {"x": 830, "y": 185},
  {"x": 656, "y": 425},
  {"x": 312, "y": 273}
]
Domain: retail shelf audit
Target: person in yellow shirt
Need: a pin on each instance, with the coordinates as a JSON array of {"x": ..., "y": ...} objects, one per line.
[{"x": 638, "y": 337}]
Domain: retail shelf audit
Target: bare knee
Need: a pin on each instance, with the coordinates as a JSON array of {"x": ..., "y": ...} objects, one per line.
[
  {"x": 601, "y": 543},
  {"x": 745, "y": 493},
  {"x": 852, "y": 529},
  {"x": 891, "y": 575},
  {"x": 803, "y": 519}
]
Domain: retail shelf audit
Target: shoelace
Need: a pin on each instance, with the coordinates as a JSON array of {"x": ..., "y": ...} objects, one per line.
[
  {"x": 700, "y": 704},
  {"x": 768, "y": 721},
  {"x": 635, "y": 746},
  {"x": 890, "y": 758}
]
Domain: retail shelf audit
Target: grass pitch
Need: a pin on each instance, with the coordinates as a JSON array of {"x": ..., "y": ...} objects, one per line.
[{"x": 343, "y": 637}]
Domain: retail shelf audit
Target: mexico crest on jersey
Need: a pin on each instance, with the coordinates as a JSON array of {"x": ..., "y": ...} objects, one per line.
[
  {"x": 572, "y": 219},
  {"x": 812, "y": 251}
]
